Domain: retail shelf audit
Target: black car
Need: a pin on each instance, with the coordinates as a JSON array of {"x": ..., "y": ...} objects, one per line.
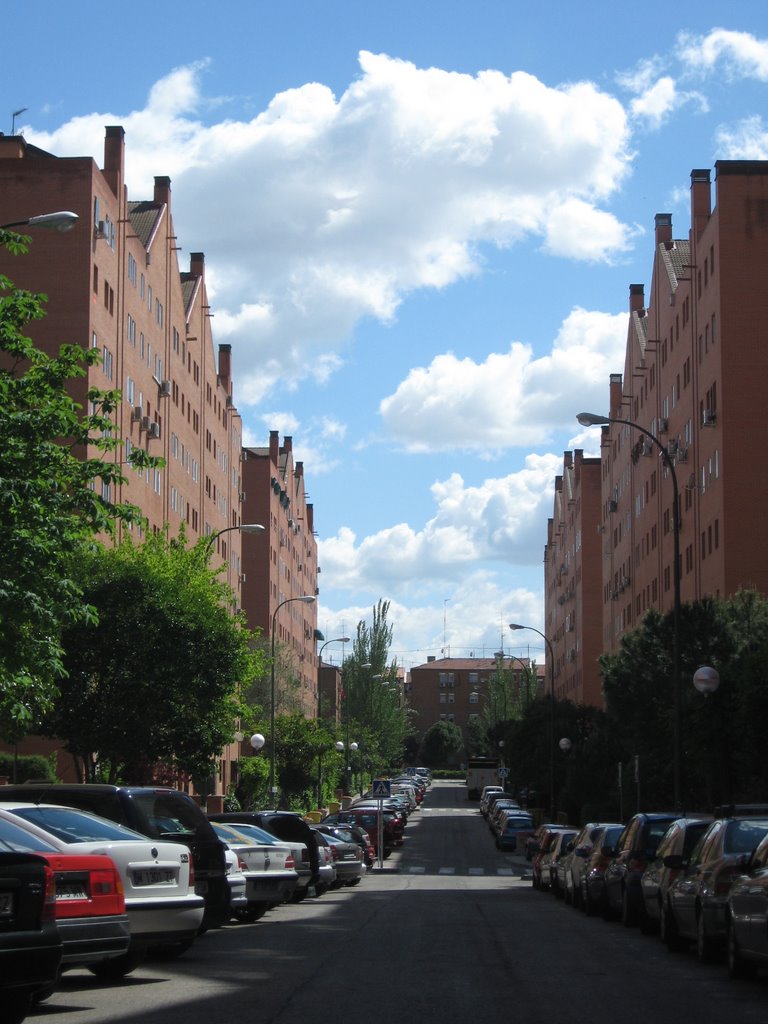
[
  {"x": 283, "y": 825},
  {"x": 634, "y": 851},
  {"x": 155, "y": 812},
  {"x": 30, "y": 945}
]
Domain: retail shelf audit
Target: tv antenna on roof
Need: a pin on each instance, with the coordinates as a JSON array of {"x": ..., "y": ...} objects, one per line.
[{"x": 14, "y": 115}]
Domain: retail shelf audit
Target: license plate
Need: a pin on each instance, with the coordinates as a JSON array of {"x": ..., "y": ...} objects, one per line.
[
  {"x": 70, "y": 892},
  {"x": 6, "y": 904},
  {"x": 153, "y": 876}
]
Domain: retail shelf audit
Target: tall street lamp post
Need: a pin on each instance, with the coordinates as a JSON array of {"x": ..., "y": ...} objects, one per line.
[
  {"x": 517, "y": 625},
  {"x": 305, "y": 599},
  {"x": 337, "y": 640},
  {"x": 211, "y": 539},
  {"x": 588, "y": 419}
]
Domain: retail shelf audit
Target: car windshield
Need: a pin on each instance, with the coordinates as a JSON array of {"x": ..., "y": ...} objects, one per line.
[
  {"x": 73, "y": 826},
  {"x": 14, "y": 838},
  {"x": 253, "y": 833},
  {"x": 744, "y": 835},
  {"x": 170, "y": 813}
]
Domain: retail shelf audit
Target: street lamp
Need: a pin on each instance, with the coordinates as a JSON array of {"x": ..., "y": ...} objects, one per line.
[
  {"x": 243, "y": 528},
  {"x": 63, "y": 220},
  {"x": 337, "y": 640},
  {"x": 305, "y": 599},
  {"x": 589, "y": 419},
  {"x": 514, "y": 626}
]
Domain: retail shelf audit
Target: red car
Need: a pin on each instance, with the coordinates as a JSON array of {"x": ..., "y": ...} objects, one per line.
[
  {"x": 90, "y": 902},
  {"x": 368, "y": 819}
]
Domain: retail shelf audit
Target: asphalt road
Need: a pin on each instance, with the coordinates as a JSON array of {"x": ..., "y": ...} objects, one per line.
[{"x": 449, "y": 931}]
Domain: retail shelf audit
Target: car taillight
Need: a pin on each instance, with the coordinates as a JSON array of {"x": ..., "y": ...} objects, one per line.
[
  {"x": 191, "y": 871},
  {"x": 290, "y": 862},
  {"x": 49, "y": 903},
  {"x": 241, "y": 863},
  {"x": 334, "y": 853}
]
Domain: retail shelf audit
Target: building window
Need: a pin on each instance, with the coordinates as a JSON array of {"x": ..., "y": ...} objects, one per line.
[
  {"x": 474, "y": 697},
  {"x": 107, "y": 362}
]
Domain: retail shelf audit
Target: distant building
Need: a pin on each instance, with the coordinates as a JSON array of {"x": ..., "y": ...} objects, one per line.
[
  {"x": 458, "y": 690},
  {"x": 573, "y": 579},
  {"x": 282, "y": 566}
]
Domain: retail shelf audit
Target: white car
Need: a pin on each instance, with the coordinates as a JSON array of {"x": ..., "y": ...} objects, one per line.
[
  {"x": 163, "y": 910},
  {"x": 270, "y": 876},
  {"x": 301, "y": 862},
  {"x": 236, "y": 881}
]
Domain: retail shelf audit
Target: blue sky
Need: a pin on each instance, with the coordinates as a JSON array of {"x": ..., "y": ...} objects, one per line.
[{"x": 420, "y": 221}]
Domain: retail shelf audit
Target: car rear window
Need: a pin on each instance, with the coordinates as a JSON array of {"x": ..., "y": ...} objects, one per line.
[
  {"x": 744, "y": 836},
  {"x": 73, "y": 826},
  {"x": 15, "y": 839}
]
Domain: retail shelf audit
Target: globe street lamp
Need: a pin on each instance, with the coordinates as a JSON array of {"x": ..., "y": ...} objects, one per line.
[
  {"x": 63, "y": 220},
  {"x": 305, "y": 599},
  {"x": 589, "y": 419},
  {"x": 514, "y": 626}
]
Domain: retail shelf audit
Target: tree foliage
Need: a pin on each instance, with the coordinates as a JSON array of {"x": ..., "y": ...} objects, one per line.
[
  {"x": 57, "y": 466},
  {"x": 441, "y": 744},
  {"x": 154, "y": 684}
]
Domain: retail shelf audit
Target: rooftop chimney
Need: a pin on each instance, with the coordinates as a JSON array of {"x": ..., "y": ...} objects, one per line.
[
  {"x": 701, "y": 200},
  {"x": 114, "y": 158},
  {"x": 664, "y": 229}
]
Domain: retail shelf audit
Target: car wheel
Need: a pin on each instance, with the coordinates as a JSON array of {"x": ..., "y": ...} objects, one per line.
[
  {"x": 251, "y": 913},
  {"x": 16, "y": 1005},
  {"x": 299, "y": 894},
  {"x": 669, "y": 933},
  {"x": 119, "y": 966},
  {"x": 628, "y": 911},
  {"x": 171, "y": 950},
  {"x": 320, "y": 889},
  {"x": 353, "y": 881},
  {"x": 738, "y": 967},
  {"x": 705, "y": 948}
]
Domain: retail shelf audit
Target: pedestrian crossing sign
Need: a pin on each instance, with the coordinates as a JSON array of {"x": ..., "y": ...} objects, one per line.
[{"x": 382, "y": 788}]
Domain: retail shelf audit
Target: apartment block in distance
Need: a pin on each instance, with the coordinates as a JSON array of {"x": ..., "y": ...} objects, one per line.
[
  {"x": 281, "y": 566},
  {"x": 694, "y": 377},
  {"x": 572, "y": 578},
  {"x": 114, "y": 283},
  {"x": 458, "y": 690}
]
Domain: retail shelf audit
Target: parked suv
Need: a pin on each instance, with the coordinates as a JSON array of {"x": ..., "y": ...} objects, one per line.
[{"x": 156, "y": 812}]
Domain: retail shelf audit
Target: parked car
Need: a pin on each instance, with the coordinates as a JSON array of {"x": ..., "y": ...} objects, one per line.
[
  {"x": 301, "y": 864},
  {"x": 499, "y": 806},
  {"x": 547, "y": 838},
  {"x": 532, "y": 844},
  {"x": 485, "y": 794},
  {"x": 155, "y": 812},
  {"x": 347, "y": 858},
  {"x": 558, "y": 856},
  {"x": 289, "y": 827},
  {"x": 158, "y": 878},
  {"x": 593, "y": 874},
  {"x": 672, "y": 855},
  {"x": 366, "y": 816},
  {"x": 236, "y": 881},
  {"x": 695, "y": 908},
  {"x": 270, "y": 878},
  {"x": 574, "y": 868},
  {"x": 634, "y": 850},
  {"x": 355, "y": 834},
  {"x": 747, "y": 916},
  {"x": 30, "y": 944},
  {"x": 326, "y": 866},
  {"x": 90, "y": 901},
  {"x": 514, "y": 830}
]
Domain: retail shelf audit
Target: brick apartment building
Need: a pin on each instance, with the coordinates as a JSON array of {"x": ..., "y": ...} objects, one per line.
[
  {"x": 458, "y": 690},
  {"x": 114, "y": 282},
  {"x": 281, "y": 567},
  {"x": 572, "y": 581},
  {"x": 694, "y": 376}
]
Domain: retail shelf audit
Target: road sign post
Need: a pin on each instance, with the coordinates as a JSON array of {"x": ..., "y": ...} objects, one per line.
[{"x": 381, "y": 789}]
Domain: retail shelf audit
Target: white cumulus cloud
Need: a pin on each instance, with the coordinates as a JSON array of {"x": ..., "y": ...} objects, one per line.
[
  {"x": 511, "y": 398},
  {"x": 323, "y": 210}
]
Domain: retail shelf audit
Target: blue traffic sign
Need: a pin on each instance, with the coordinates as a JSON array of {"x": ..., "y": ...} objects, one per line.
[{"x": 381, "y": 787}]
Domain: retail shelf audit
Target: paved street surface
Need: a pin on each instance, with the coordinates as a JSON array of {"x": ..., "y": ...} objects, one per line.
[{"x": 449, "y": 931}]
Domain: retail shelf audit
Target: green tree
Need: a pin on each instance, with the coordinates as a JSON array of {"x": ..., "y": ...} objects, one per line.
[
  {"x": 54, "y": 496},
  {"x": 154, "y": 684},
  {"x": 441, "y": 744}
]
